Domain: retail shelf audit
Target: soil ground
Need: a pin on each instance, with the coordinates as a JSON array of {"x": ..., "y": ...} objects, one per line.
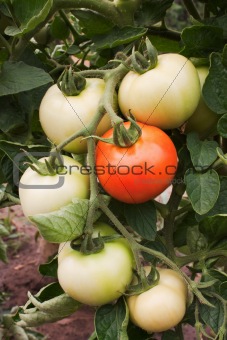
[{"x": 20, "y": 275}]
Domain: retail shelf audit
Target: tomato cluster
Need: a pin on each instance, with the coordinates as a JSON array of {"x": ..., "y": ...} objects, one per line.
[{"x": 163, "y": 98}]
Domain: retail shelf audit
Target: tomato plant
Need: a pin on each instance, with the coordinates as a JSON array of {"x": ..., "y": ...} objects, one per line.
[
  {"x": 112, "y": 95},
  {"x": 203, "y": 120},
  {"x": 149, "y": 96},
  {"x": 98, "y": 278},
  {"x": 58, "y": 190},
  {"x": 61, "y": 116},
  {"x": 128, "y": 175},
  {"x": 162, "y": 306}
]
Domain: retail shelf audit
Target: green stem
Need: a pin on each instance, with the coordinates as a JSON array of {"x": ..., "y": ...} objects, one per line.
[
  {"x": 93, "y": 73},
  {"x": 84, "y": 132},
  {"x": 200, "y": 255},
  {"x": 181, "y": 211},
  {"x": 134, "y": 245},
  {"x": 179, "y": 331},
  {"x": 197, "y": 322},
  {"x": 190, "y": 6},
  {"x": 93, "y": 201},
  {"x": 75, "y": 34},
  {"x": 5, "y": 43},
  {"x": 112, "y": 78},
  {"x": 174, "y": 201},
  {"x": 206, "y": 12}
]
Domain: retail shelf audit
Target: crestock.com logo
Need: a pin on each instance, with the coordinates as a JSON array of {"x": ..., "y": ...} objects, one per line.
[
  {"x": 20, "y": 158},
  {"x": 148, "y": 171}
]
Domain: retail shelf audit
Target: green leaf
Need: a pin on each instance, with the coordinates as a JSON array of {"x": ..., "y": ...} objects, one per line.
[
  {"x": 222, "y": 126},
  {"x": 18, "y": 77},
  {"x": 196, "y": 241},
  {"x": 220, "y": 21},
  {"x": 29, "y": 14},
  {"x": 118, "y": 36},
  {"x": 3, "y": 231},
  {"x": 163, "y": 44},
  {"x": 220, "y": 206},
  {"x": 181, "y": 227},
  {"x": 92, "y": 23},
  {"x": 65, "y": 224},
  {"x": 170, "y": 335},
  {"x": 142, "y": 218},
  {"x": 200, "y": 40},
  {"x": 202, "y": 189},
  {"x": 217, "y": 274},
  {"x": 223, "y": 290},
  {"x": 137, "y": 333},
  {"x": 212, "y": 317},
  {"x": 59, "y": 29},
  {"x": 50, "y": 268},
  {"x": 49, "y": 305},
  {"x": 154, "y": 245},
  {"x": 214, "y": 227},
  {"x": 111, "y": 321},
  {"x": 151, "y": 11},
  {"x": 3, "y": 255},
  {"x": 12, "y": 119},
  {"x": 215, "y": 86},
  {"x": 203, "y": 153}
]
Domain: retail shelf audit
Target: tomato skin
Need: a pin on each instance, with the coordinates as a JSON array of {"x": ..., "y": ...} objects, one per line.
[
  {"x": 142, "y": 171},
  {"x": 61, "y": 116},
  {"x": 204, "y": 120},
  {"x": 99, "y": 278},
  {"x": 161, "y": 307},
  {"x": 165, "y": 96},
  {"x": 38, "y": 200}
]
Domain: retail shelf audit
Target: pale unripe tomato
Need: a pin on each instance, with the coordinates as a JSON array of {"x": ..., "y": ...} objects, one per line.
[
  {"x": 99, "y": 278},
  {"x": 61, "y": 116},
  {"x": 165, "y": 96},
  {"x": 161, "y": 307},
  {"x": 43, "y": 194},
  {"x": 204, "y": 120}
]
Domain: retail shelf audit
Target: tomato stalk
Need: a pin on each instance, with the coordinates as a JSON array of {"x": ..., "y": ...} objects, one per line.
[
  {"x": 83, "y": 132},
  {"x": 89, "y": 245},
  {"x": 173, "y": 203}
]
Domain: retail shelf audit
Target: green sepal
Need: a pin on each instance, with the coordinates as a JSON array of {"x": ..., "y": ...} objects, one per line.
[
  {"x": 123, "y": 137},
  {"x": 144, "y": 283},
  {"x": 71, "y": 83},
  {"x": 48, "y": 168},
  {"x": 145, "y": 61}
]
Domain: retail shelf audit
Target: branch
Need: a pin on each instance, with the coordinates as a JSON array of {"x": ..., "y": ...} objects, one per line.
[{"x": 192, "y": 10}]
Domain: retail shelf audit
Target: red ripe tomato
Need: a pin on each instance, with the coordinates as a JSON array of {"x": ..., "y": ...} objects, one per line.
[{"x": 140, "y": 172}]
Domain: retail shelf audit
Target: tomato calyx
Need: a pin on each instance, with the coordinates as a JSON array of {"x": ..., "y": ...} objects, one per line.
[
  {"x": 123, "y": 137},
  {"x": 92, "y": 245},
  {"x": 144, "y": 282},
  {"x": 48, "y": 168},
  {"x": 143, "y": 62},
  {"x": 71, "y": 83}
]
